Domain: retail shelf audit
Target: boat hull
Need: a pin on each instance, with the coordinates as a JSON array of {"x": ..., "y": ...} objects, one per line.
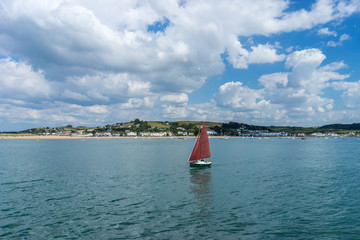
[{"x": 200, "y": 163}]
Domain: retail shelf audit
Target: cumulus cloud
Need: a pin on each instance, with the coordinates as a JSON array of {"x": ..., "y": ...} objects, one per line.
[
  {"x": 175, "y": 112},
  {"x": 54, "y": 114},
  {"x": 204, "y": 112},
  {"x": 174, "y": 98},
  {"x": 74, "y": 95},
  {"x": 67, "y": 39},
  {"x": 303, "y": 64},
  {"x": 20, "y": 82},
  {"x": 138, "y": 103},
  {"x": 303, "y": 86},
  {"x": 264, "y": 54},
  {"x": 241, "y": 58},
  {"x": 103, "y": 88},
  {"x": 351, "y": 93},
  {"x": 326, "y": 32},
  {"x": 290, "y": 96},
  {"x": 234, "y": 95},
  {"x": 93, "y": 54},
  {"x": 79, "y": 38}
]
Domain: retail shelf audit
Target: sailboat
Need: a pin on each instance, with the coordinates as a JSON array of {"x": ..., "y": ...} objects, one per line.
[{"x": 201, "y": 150}]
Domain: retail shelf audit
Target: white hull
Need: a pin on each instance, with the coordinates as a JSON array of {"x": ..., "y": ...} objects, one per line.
[{"x": 200, "y": 163}]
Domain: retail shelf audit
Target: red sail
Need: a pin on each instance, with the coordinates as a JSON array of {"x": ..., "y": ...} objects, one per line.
[{"x": 201, "y": 149}]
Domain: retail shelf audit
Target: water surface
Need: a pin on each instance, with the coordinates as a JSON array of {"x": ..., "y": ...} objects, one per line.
[{"x": 143, "y": 189}]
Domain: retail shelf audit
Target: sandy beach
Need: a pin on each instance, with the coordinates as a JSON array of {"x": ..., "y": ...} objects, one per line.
[
  {"x": 38, "y": 137},
  {"x": 78, "y": 137}
]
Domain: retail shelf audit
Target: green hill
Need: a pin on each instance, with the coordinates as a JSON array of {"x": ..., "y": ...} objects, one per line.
[{"x": 231, "y": 128}]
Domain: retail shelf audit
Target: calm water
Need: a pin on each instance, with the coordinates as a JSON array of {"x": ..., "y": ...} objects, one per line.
[{"x": 143, "y": 189}]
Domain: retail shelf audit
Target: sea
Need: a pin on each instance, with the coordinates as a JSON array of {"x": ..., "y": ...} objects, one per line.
[{"x": 278, "y": 188}]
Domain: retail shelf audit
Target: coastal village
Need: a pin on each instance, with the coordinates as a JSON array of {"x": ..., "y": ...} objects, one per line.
[
  {"x": 182, "y": 129},
  {"x": 210, "y": 132}
]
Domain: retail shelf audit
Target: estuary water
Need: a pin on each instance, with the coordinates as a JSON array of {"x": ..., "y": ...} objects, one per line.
[{"x": 144, "y": 189}]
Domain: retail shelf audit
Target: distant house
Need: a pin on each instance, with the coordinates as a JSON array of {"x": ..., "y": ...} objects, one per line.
[
  {"x": 261, "y": 133},
  {"x": 144, "y": 134},
  {"x": 318, "y": 134},
  {"x": 153, "y": 134},
  {"x": 158, "y": 134},
  {"x": 131, "y": 134},
  {"x": 87, "y": 135},
  {"x": 211, "y": 132}
]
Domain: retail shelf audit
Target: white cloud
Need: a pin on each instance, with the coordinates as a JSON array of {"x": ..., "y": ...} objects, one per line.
[
  {"x": 274, "y": 81},
  {"x": 312, "y": 57},
  {"x": 100, "y": 109},
  {"x": 20, "y": 81},
  {"x": 74, "y": 95},
  {"x": 241, "y": 58},
  {"x": 83, "y": 37},
  {"x": 106, "y": 88},
  {"x": 290, "y": 97},
  {"x": 95, "y": 54},
  {"x": 303, "y": 64},
  {"x": 342, "y": 38},
  {"x": 137, "y": 103},
  {"x": 326, "y": 32},
  {"x": 332, "y": 44},
  {"x": 175, "y": 112},
  {"x": 174, "y": 98},
  {"x": 304, "y": 84},
  {"x": 237, "y": 54},
  {"x": 322, "y": 11},
  {"x": 204, "y": 112},
  {"x": 235, "y": 96},
  {"x": 264, "y": 54},
  {"x": 351, "y": 93},
  {"x": 53, "y": 114}
]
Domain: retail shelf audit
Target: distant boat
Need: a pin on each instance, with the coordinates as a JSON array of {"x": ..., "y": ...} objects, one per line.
[{"x": 201, "y": 150}]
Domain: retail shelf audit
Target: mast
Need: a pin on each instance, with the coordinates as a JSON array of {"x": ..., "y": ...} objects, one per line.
[{"x": 201, "y": 148}]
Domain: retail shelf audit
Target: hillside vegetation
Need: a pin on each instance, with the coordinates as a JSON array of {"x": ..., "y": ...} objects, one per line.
[{"x": 190, "y": 127}]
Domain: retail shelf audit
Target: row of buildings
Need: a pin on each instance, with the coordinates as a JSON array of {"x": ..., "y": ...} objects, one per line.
[
  {"x": 210, "y": 132},
  {"x": 260, "y": 133}
]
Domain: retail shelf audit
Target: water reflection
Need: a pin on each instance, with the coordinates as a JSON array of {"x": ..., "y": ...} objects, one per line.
[{"x": 202, "y": 188}]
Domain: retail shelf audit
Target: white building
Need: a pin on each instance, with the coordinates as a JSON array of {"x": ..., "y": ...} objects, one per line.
[
  {"x": 211, "y": 132},
  {"x": 131, "y": 134}
]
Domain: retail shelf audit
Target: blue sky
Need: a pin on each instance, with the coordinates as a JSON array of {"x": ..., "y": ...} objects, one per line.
[{"x": 260, "y": 62}]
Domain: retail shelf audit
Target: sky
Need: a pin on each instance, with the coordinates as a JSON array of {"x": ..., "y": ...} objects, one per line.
[{"x": 92, "y": 63}]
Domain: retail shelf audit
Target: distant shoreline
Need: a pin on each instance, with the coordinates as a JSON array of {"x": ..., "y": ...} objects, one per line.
[
  {"x": 79, "y": 137},
  {"x": 126, "y": 137},
  {"x": 123, "y": 137}
]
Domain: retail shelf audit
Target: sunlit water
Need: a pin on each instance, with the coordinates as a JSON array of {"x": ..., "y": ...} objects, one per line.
[{"x": 144, "y": 189}]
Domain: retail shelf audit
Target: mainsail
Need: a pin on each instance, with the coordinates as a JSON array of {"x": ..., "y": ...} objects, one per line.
[{"x": 201, "y": 149}]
